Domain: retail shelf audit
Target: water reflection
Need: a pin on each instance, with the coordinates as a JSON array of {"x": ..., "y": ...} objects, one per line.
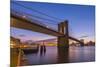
[
  {"x": 82, "y": 54},
  {"x": 63, "y": 55},
  {"x": 52, "y": 55}
]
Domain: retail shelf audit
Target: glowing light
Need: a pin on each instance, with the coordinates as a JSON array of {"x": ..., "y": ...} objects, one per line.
[
  {"x": 47, "y": 26},
  {"x": 24, "y": 16}
]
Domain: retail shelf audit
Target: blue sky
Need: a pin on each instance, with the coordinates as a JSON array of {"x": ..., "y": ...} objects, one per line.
[{"x": 81, "y": 19}]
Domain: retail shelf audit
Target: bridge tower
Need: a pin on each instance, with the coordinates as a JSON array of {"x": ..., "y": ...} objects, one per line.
[{"x": 63, "y": 40}]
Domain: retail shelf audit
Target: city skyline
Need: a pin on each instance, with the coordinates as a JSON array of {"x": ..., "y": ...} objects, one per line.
[{"x": 81, "y": 19}]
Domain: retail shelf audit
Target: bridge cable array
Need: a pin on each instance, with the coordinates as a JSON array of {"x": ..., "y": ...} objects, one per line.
[
  {"x": 30, "y": 15},
  {"x": 38, "y": 16},
  {"x": 27, "y": 16},
  {"x": 37, "y": 11},
  {"x": 41, "y": 17}
]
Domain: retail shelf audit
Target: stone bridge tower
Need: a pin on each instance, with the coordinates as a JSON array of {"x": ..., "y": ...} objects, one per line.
[{"x": 63, "y": 41}]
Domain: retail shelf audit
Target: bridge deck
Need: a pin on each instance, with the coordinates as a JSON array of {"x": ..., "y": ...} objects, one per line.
[{"x": 24, "y": 23}]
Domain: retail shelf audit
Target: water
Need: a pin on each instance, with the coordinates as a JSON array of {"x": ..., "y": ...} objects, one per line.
[{"x": 71, "y": 55}]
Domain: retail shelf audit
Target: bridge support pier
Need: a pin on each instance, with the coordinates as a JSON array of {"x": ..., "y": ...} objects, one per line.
[{"x": 63, "y": 41}]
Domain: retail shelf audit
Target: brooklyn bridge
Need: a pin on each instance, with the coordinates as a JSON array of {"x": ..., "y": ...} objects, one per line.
[
  {"x": 29, "y": 19},
  {"x": 23, "y": 22}
]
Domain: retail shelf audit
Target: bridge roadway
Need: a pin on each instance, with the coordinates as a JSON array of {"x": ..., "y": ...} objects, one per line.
[{"x": 24, "y": 23}]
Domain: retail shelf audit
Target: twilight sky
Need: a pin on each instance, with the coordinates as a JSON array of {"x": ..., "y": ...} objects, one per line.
[{"x": 81, "y": 19}]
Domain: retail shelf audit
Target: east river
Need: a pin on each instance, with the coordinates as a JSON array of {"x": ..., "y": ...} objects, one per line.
[{"x": 52, "y": 56}]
